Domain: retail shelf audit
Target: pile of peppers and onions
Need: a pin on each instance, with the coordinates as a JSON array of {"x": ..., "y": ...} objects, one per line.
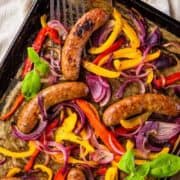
[{"x": 123, "y": 48}]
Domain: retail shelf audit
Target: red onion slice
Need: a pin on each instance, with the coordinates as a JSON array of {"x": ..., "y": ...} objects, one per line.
[
  {"x": 31, "y": 136},
  {"x": 102, "y": 156},
  {"x": 120, "y": 91}
]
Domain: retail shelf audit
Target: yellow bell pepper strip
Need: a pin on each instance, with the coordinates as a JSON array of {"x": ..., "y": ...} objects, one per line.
[
  {"x": 71, "y": 160},
  {"x": 112, "y": 37},
  {"x": 129, "y": 53},
  {"x": 130, "y": 34},
  {"x": 44, "y": 169},
  {"x": 111, "y": 173},
  {"x": 127, "y": 64},
  {"x": 95, "y": 122},
  {"x": 69, "y": 123},
  {"x": 13, "y": 171},
  {"x": 43, "y": 20},
  {"x": 29, "y": 152},
  {"x": 150, "y": 75},
  {"x": 140, "y": 161},
  {"x": 65, "y": 133},
  {"x": 150, "y": 156},
  {"x": 129, "y": 145},
  {"x": 69, "y": 136},
  {"x": 100, "y": 71},
  {"x": 136, "y": 121},
  {"x": 108, "y": 51}
]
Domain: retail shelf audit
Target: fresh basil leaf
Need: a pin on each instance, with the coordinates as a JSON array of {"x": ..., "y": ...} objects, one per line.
[
  {"x": 165, "y": 165},
  {"x": 143, "y": 170},
  {"x": 126, "y": 163},
  {"x": 32, "y": 54},
  {"x": 31, "y": 84},
  {"x": 40, "y": 65},
  {"x": 134, "y": 176}
]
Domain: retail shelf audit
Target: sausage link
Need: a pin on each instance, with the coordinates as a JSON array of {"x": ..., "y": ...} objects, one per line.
[
  {"x": 76, "y": 40},
  {"x": 28, "y": 115},
  {"x": 134, "y": 105},
  {"x": 76, "y": 174}
]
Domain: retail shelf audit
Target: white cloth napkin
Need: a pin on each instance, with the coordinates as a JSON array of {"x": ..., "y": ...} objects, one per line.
[{"x": 12, "y": 14}]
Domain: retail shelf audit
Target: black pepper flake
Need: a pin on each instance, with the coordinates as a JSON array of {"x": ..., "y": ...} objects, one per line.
[{"x": 86, "y": 26}]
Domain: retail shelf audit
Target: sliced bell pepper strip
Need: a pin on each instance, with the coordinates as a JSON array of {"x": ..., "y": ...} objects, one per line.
[
  {"x": 29, "y": 152},
  {"x": 100, "y": 129},
  {"x": 150, "y": 75},
  {"x": 44, "y": 169},
  {"x": 112, "y": 48},
  {"x": 71, "y": 160},
  {"x": 127, "y": 64},
  {"x": 13, "y": 171},
  {"x": 168, "y": 80},
  {"x": 140, "y": 161},
  {"x": 37, "y": 45},
  {"x": 112, "y": 37},
  {"x": 59, "y": 175},
  {"x": 111, "y": 173},
  {"x": 48, "y": 130},
  {"x": 126, "y": 53},
  {"x": 18, "y": 101},
  {"x": 100, "y": 71},
  {"x": 136, "y": 121},
  {"x": 30, "y": 162},
  {"x": 69, "y": 136},
  {"x": 131, "y": 34},
  {"x": 129, "y": 53},
  {"x": 151, "y": 155},
  {"x": 43, "y": 20},
  {"x": 129, "y": 145}
]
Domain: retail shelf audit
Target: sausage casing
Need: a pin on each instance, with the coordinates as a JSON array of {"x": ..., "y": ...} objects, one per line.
[
  {"x": 134, "y": 105},
  {"x": 28, "y": 115},
  {"x": 76, "y": 40},
  {"x": 76, "y": 174}
]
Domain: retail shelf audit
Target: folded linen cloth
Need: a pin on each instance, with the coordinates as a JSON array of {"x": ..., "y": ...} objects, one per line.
[{"x": 12, "y": 14}]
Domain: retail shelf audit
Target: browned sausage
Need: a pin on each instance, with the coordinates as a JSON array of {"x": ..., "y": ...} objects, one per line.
[
  {"x": 76, "y": 40},
  {"x": 76, "y": 174},
  {"x": 28, "y": 115},
  {"x": 137, "y": 104}
]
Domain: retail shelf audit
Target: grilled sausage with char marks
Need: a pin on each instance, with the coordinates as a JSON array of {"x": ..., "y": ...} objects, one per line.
[
  {"x": 76, "y": 40},
  {"x": 134, "y": 105},
  {"x": 28, "y": 115}
]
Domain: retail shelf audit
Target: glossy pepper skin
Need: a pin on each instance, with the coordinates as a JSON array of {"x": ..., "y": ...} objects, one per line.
[
  {"x": 37, "y": 45},
  {"x": 171, "y": 79}
]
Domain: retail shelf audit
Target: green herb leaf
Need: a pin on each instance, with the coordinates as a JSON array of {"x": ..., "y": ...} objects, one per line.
[
  {"x": 126, "y": 163},
  {"x": 135, "y": 176},
  {"x": 31, "y": 84},
  {"x": 165, "y": 165},
  {"x": 40, "y": 65},
  {"x": 143, "y": 170}
]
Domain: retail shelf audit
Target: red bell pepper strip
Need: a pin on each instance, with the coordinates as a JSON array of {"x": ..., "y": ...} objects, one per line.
[
  {"x": 19, "y": 99},
  {"x": 30, "y": 162},
  {"x": 101, "y": 171},
  {"x": 37, "y": 45},
  {"x": 168, "y": 80},
  {"x": 49, "y": 128},
  {"x": 99, "y": 128},
  {"x": 112, "y": 48},
  {"x": 59, "y": 175}
]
